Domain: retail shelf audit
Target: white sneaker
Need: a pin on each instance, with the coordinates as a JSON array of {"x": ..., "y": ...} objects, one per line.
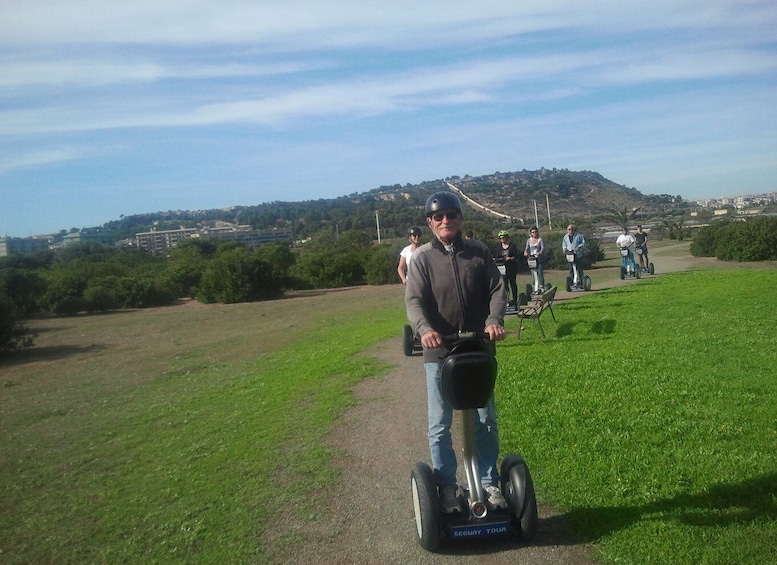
[
  {"x": 449, "y": 501},
  {"x": 494, "y": 497}
]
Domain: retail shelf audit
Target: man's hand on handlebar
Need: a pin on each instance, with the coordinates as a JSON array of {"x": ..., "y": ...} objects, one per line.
[
  {"x": 496, "y": 332},
  {"x": 433, "y": 339}
]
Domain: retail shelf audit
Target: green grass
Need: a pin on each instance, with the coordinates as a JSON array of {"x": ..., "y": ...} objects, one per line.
[
  {"x": 185, "y": 466},
  {"x": 649, "y": 415},
  {"x": 173, "y": 435}
]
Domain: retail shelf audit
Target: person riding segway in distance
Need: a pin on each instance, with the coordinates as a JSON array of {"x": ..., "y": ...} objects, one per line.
[
  {"x": 626, "y": 241},
  {"x": 640, "y": 243},
  {"x": 535, "y": 248},
  {"x": 507, "y": 256},
  {"x": 414, "y": 237},
  {"x": 573, "y": 243}
]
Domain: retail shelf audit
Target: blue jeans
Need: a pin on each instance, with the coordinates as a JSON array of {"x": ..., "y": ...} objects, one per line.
[{"x": 440, "y": 442}]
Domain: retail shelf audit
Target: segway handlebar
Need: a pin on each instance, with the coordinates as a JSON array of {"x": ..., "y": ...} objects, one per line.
[{"x": 466, "y": 335}]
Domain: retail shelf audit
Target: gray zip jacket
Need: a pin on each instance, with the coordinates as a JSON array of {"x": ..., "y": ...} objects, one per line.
[{"x": 451, "y": 292}]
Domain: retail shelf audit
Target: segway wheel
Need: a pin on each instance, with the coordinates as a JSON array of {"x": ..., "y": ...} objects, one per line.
[
  {"x": 529, "y": 289},
  {"x": 425, "y": 506},
  {"x": 569, "y": 284},
  {"x": 623, "y": 273},
  {"x": 407, "y": 340},
  {"x": 518, "y": 490},
  {"x": 651, "y": 270},
  {"x": 523, "y": 300},
  {"x": 637, "y": 273},
  {"x": 587, "y": 282},
  {"x": 547, "y": 287}
]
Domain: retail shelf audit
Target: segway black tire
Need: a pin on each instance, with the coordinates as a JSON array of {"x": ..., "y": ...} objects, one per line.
[
  {"x": 547, "y": 287},
  {"x": 425, "y": 506},
  {"x": 569, "y": 284},
  {"x": 529, "y": 289},
  {"x": 623, "y": 273},
  {"x": 651, "y": 269},
  {"x": 518, "y": 490},
  {"x": 637, "y": 272},
  {"x": 407, "y": 340},
  {"x": 586, "y": 283},
  {"x": 523, "y": 300}
]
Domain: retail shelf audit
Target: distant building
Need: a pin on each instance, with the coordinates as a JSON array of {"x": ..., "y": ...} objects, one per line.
[
  {"x": 247, "y": 235},
  {"x": 21, "y": 245},
  {"x": 82, "y": 237},
  {"x": 155, "y": 242}
]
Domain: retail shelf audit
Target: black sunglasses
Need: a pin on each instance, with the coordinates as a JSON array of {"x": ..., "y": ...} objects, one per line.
[{"x": 452, "y": 215}]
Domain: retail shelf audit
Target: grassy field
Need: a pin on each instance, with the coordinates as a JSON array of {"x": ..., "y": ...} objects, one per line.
[
  {"x": 173, "y": 435},
  {"x": 153, "y": 436},
  {"x": 650, "y": 417}
]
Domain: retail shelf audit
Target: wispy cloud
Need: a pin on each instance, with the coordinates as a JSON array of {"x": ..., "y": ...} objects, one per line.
[
  {"x": 346, "y": 92},
  {"x": 10, "y": 162}
]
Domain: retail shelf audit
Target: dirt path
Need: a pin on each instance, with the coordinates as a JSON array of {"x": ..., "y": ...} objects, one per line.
[{"x": 369, "y": 519}]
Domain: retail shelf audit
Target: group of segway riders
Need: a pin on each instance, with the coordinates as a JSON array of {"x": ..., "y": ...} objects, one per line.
[{"x": 629, "y": 244}]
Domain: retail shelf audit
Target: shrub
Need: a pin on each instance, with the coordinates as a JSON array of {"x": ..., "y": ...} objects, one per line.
[
  {"x": 382, "y": 264},
  {"x": 13, "y": 335},
  {"x": 754, "y": 239},
  {"x": 238, "y": 275}
]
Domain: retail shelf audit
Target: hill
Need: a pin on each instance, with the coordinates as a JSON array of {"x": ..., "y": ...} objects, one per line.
[{"x": 572, "y": 195}]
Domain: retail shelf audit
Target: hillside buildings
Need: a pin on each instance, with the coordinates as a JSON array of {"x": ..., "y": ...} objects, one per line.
[
  {"x": 153, "y": 242},
  {"x": 20, "y": 245}
]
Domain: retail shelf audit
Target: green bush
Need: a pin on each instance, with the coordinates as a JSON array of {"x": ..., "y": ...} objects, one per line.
[
  {"x": 754, "y": 239},
  {"x": 13, "y": 335},
  {"x": 327, "y": 263},
  {"x": 100, "y": 299},
  {"x": 24, "y": 288},
  {"x": 238, "y": 275},
  {"x": 382, "y": 265}
]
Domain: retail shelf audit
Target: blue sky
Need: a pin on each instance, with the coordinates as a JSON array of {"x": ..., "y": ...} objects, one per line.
[{"x": 111, "y": 108}]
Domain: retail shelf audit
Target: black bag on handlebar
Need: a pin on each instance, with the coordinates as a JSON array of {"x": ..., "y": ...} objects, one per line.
[{"x": 468, "y": 375}]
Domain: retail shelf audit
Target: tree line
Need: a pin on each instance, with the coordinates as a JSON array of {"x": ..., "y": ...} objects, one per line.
[{"x": 93, "y": 277}]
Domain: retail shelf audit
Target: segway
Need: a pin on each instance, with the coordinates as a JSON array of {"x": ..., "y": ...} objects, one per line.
[
  {"x": 410, "y": 342},
  {"x": 534, "y": 288},
  {"x": 574, "y": 284},
  {"x": 650, "y": 269},
  {"x": 468, "y": 376},
  {"x": 629, "y": 269},
  {"x": 520, "y": 300}
]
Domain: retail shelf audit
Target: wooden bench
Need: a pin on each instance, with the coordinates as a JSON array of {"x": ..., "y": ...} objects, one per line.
[{"x": 536, "y": 307}]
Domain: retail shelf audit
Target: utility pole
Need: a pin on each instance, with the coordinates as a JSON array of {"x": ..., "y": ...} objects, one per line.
[
  {"x": 536, "y": 218},
  {"x": 547, "y": 203},
  {"x": 377, "y": 225}
]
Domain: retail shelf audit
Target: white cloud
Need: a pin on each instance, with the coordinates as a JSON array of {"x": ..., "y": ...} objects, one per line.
[
  {"x": 310, "y": 23},
  {"x": 10, "y": 162}
]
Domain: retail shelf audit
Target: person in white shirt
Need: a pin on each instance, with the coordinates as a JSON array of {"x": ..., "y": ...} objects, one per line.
[
  {"x": 414, "y": 237},
  {"x": 626, "y": 241}
]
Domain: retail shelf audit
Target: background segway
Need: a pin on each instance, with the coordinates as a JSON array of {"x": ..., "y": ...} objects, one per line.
[{"x": 410, "y": 343}]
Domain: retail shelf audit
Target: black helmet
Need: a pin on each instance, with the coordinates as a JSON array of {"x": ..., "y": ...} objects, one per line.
[
  {"x": 442, "y": 201},
  {"x": 415, "y": 230}
]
